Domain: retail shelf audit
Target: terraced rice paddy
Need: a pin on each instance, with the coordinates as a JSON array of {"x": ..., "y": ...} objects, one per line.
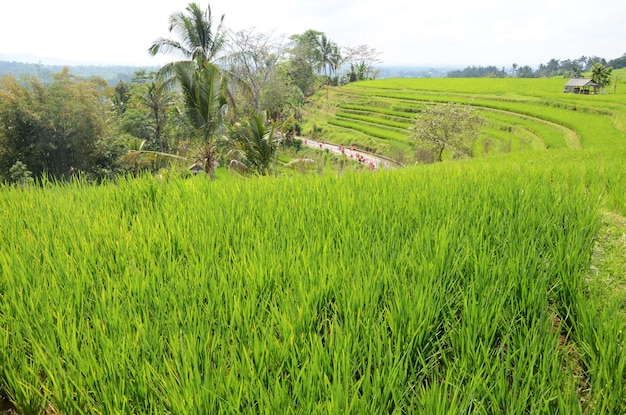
[
  {"x": 522, "y": 114},
  {"x": 481, "y": 286}
]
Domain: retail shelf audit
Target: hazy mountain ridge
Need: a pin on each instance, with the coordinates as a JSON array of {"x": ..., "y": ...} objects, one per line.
[
  {"x": 43, "y": 67},
  {"x": 111, "y": 73}
]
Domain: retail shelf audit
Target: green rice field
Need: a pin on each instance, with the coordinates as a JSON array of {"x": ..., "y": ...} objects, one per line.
[
  {"x": 521, "y": 114},
  {"x": 494, "y": 285}
]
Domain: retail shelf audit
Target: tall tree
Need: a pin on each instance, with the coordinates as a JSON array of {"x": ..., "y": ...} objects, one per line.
[
  {"x": 157, "y": 99},
  {"x": 525, "y": 72},
  {"x": 198, "y": 39},
  {"x": 446, "y": 126},
  {"x": 198, "y": 43},
  {"x": 329, "y": 55},
  {"x": 601, "y": 74},
  {"x": 551, "y": 68},
  {"x": 203, "y": 94},
  {"x": 254, "y": 60},
  {"x": 121, "y": 96},
  {"x": 305, "y": 47},
  {"x": 303, "y": 60}
]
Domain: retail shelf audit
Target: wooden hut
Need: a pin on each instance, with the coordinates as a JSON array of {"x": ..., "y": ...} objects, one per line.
[{"x": 581, "y": 86}]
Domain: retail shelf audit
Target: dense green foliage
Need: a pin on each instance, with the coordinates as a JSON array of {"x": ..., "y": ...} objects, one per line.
[
  {"x": 186, "y": 113},
  {"x": 56, "y": 129},
  {"x": 601, "y": 74},
  {"x": 450, "y": 127}
]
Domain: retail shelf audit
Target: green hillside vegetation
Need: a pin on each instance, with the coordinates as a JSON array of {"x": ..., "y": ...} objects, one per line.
[{"x": 490, "y": 285}]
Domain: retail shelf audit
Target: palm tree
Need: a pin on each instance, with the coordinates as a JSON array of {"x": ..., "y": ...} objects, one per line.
[
  {"x": 336, "y": 60},
  {"x": 256, "y": 144},
  {"x": 203, "y": 95},
  {"x": 140, "y": 159},
  {"x": 201, "y": 81},
  {"x": 330, "y": 57},
  {"x": 158, "y": 100},
  {"x": 197, "y": 42}
]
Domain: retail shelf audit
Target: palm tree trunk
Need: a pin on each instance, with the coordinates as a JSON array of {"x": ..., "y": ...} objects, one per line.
[{"x": 209, "y": 161}]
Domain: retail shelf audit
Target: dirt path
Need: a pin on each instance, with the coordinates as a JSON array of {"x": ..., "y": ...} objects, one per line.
[{"x": 367, "y": 159}]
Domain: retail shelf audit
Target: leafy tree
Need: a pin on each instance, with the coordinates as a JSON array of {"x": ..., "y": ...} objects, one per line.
[
  {"x": 525, "y": 72},
  {"x": 281, "y": 98},
  {"x": 20, "y": 175},
  {"x": 582, "y": 62},
  {"x": 305, "y": 47},
  {"x": 54, "y": 129},
  {"x": 121, "y": 96},
  {"x": 571, "y": 68},
  {"x": 315, "y": 50},
  {"x": 77, "y": 108},
  {"x": 553, "y": 67},
  {"x": 254, "y": 62},
  {"x": 302, "y": 75},
  {"x": 593, "y": 60},
  {"x": 304, "y": 60},
  {"x": 146, "y": 112},
  {"x": 601, "y": 74},
  {"x": 446, "y": 126}
]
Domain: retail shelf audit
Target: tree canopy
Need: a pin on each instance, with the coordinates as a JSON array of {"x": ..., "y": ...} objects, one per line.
[
  {"x": 54, "y": 129},
  {"x": 441, "y": 127},
  {"x": 601, "y": 74},
  {"x": 194, "y": 108}
]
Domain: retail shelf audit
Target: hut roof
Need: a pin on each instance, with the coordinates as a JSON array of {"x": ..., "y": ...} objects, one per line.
[{"x": 581, "y": 82}]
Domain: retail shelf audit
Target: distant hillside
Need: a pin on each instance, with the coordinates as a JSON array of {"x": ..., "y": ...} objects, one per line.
[{"x": 112, "y": 74}]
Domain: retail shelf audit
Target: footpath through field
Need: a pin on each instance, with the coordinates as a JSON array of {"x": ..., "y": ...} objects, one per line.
[{"x": 352, "y": 153}]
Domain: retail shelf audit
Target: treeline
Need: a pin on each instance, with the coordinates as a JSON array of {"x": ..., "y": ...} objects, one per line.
[
  {"x": 571, "y": 68},
  {"x": 110, "y": 73},
  {"x": 234, "y": 97},
  {"x": 478, "y": 72}
]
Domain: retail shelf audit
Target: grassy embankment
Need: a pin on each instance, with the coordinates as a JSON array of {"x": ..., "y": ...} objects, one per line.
[{"x": 492, "y": 285}]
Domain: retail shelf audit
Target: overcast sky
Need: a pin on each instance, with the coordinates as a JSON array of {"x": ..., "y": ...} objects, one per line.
[{"x": 407, "y": 32}]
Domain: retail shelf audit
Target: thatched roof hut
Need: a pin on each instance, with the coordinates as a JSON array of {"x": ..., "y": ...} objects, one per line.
[{"x": 581, "y": 86}]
